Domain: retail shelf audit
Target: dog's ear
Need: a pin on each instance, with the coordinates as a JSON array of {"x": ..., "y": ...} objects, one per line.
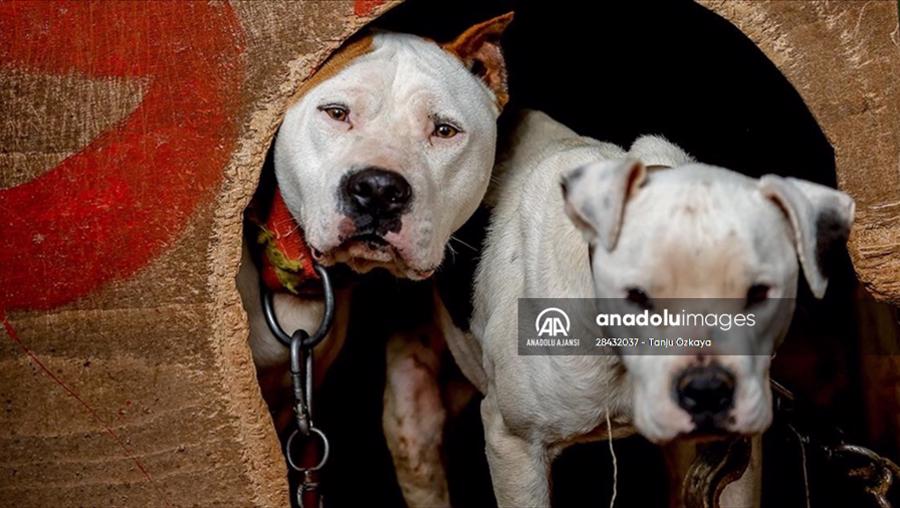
[
  {"x": 596, "y": 195},
  {"x": 820, "y": 218},
  {"x": 479, "y": 49}
]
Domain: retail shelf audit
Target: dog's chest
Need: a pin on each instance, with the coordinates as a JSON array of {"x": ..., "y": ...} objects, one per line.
[{"x": 569, "y": 397}]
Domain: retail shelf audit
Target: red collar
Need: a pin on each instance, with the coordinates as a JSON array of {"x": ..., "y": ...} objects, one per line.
[{"x": 286, "y": 261}]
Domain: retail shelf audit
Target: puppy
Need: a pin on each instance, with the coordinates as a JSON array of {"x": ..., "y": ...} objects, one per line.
[
  {"x": 623, "y": 234},
  {"x": 386, "y": 152}
]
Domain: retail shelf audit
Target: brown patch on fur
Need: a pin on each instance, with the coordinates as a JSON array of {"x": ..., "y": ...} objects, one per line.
[
  {"x": 687, "y": 271},
  {"x": 637, "y": 174},
  {"x": 338, "y": 60},
  {"x": 479, "y": 50}
]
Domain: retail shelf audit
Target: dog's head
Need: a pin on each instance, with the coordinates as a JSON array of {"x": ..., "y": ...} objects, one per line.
[
  {"x": 697, "y": 233},
  {"x": 391, "y": 150}
]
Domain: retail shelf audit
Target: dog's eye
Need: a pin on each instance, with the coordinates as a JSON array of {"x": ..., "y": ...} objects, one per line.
[
  {"x": 336, "y": 113},
  {"x": 444, "y": 131},
  {"x": 638, "y": 297},
  {"x": 757, "y": 293}
]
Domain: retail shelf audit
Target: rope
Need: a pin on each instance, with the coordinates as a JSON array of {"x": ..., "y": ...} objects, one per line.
[
  {"x": 615, "y": 462},
  {"x": 802, "y": 444}
]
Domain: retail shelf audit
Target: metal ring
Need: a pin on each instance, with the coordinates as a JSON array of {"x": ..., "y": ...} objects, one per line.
[
  {"x": 268, "y": 305},
  {"x": 326, "y": 448}
]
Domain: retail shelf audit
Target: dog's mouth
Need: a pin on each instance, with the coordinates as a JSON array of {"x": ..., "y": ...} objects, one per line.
[
  {"x": 363, "y": 252},
  {"x": 372, "y": 241},
  {"x": 369, "y": 246},
  {"x": 707, "y": 434},
  {"x": 711, "y": 428}
]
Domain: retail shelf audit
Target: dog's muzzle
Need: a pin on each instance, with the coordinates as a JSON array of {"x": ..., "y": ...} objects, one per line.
[
  {"x": 375, "y": 199},
  {"x": 706, "y": 393}
]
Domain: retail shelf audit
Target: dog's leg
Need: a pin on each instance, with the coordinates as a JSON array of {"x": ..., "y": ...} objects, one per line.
[
  {"x": 414, "y": 415},
  {"x": 519, "y": 469}
]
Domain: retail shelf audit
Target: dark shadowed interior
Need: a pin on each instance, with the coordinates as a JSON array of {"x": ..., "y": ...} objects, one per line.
[{"x": 612, "y": 70}]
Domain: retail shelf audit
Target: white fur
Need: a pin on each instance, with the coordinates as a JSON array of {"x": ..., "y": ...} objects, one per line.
[
  {"x": 394, "y": 93},
  {"x": 719, "y": 232}
]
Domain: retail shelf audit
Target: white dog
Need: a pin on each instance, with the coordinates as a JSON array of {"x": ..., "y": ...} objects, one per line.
[
  {"x": 634, "y": 236},
  {"x": 387, "y": 151}
]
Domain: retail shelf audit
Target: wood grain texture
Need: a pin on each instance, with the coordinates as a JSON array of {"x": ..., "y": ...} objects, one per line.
[
  {"x": 143, "y": 392},
  {"x": 844, "y": 58}
]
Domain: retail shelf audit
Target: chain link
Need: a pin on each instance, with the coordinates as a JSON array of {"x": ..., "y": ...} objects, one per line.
[{"x": 301, "y": 345}]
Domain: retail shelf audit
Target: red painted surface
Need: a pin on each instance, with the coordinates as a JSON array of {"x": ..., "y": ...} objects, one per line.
[
  {"x": 365, "y": 7},
  {"x": 108, "y": 210}
]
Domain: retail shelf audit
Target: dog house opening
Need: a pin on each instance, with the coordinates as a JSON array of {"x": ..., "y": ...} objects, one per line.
[{"x": 611, "y": 71}]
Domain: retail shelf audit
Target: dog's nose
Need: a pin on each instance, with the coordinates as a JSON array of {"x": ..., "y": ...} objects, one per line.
[
  {"x": 706, "y": 393},
  {"x": 377, "y": 192}
]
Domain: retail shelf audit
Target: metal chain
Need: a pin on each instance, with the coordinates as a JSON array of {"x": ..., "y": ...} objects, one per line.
[
  {"x": 301, "y": 345},
  {"x": 877, "y": 473},
  {"x": 880, "y": 472}
]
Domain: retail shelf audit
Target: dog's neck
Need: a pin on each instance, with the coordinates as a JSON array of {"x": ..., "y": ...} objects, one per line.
[{"x": 286, "y": 263}]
